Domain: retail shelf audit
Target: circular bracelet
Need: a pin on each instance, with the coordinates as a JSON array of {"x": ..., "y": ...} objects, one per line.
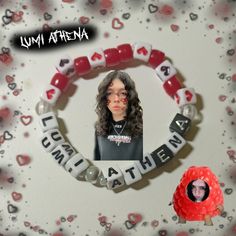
[{"x": 113, "y": 177}]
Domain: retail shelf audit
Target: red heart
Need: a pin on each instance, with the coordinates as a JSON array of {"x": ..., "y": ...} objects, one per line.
[
  {"x": 222, "y": 98},
  {"x": 26, "y": 120},
  {"x": 142, "y": 50},
  {"x": 177, "y": 98},
  {"x": 84, "y": 20},
  {"x": 134, "y": 218},
  {"x": 70, "y": 218},
  {"x": 50, "y": 93},
  {"x": 16, "y": 196},
  {"x": 174, "y": 27},
  {"x": 22, "y": 160},
  {"x": 188, "y": 95},
  {"x": 106, "y": 3},
  {"x": 6, "y": 58},
  {"x": 102, "y": 219},
  {"x": 117, "y": 24},
  {"x": 96, "y": 56},
  {"x": 9, "y": 79}
]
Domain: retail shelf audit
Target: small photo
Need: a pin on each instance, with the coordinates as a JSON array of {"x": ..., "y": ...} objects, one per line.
[{"x": 119, "y": 125}]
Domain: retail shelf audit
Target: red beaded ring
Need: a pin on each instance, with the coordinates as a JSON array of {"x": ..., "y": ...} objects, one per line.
[{"x": 64, "y": 154}]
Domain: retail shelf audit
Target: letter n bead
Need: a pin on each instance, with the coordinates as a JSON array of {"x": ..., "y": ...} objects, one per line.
[
  {"x": 131, "y": 173},
  {"x": 48, "y": 121},
  {"x": 62, "y": 153},
  {"x": 180, "y": 124},
  {"x": 114, "y": 177},
  {"x": 146, "y": 164},
  {"x": 175, "y": 142},
  {"x": 165, "y": 70},
  {"x": 185, "y": 96},
  {"x": 76, "y": 165},
  {"x": 51, "y": 139}
]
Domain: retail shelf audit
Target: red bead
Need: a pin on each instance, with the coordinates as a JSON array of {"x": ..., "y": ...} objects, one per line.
[
  {"x": 125, "y": 52},
  {"x": 156, "y": 58},
  {"x": 172, "y": 85},
  {"x": 112, "y": 57},
  {"x": 60, "y": 81},
  {"x": 82, "y": 65}
]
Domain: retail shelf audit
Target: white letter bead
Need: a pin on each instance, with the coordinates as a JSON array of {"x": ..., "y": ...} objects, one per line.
[
  {"x": 147, "y": 164},
  {"x": 51, "y": 139},
  {"x": 165, "y": 70},
  {"x": 48, "y": 121},
  {"x": 96, "y": 58},
  {"x": 142, "y": 51},
  {"x": 62, "y": 153},
  {"x": 65, "y": 66},
  {"x": 113, "y": 176},
  {"x": 185, "y": 96},
  {"x": 51, "y": 94},
  {"x": 131, "y": 174},
  {"x": 76, "y": 165},
  {"x": 175, "y": 142}
]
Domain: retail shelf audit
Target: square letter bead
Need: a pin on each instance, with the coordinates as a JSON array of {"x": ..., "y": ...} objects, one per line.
[
  {"x": 175, "y": 142},
  {"x": 180, "y": 124},
  {"x": 147, "y": 164},
  {"x": 76, "y": 165},
  {"x": 51, "y": 94},
  {"x": 142, "y": 51},
  {"x": 113, "y": 176},
  {"x": 162, "y": 155},
  {"x": 48, "y": 121},
  {"x": 131, "y": 173},
  {"x": 185, "y": 96},
  {"x": 65, "y": 66},
  {"x": 165, "y": 70},
  {"x": 96, "y": 58},
  {"x": 51, "y": 139},
  {"x": 62, "y": 153}
]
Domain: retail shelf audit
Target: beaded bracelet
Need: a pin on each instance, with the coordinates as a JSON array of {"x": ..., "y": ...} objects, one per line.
[{"x": 114, "y": 176}]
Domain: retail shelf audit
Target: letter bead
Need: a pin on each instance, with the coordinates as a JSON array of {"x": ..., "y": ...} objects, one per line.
[
  {"x": 165, "y": 70},
  {"x": 48, "y": 121},
  {"x": 175, "y": 142},
  {"x": 51, "y": 139},
  {"x": 147, "y": 164},
  {"x": 114, "y": 177},
  {"x": 76, "y": 165},
  {"x": 162, "y": 155},
  {"x": 131, "y": 173},
  {"x": 180, "y": 124}
]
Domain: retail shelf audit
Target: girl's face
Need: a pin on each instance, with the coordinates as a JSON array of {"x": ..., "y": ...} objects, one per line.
[
  {"x": 198, "y": 189},
  {"x": 117, "y": 101}
]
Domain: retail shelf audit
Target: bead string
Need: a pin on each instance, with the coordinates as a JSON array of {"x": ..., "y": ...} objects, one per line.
[{"x": 114, "y": 176}]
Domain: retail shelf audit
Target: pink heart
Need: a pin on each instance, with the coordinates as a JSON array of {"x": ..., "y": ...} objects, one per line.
[
  {"x": 174, "y": 27},
  {"x": 16, "y": 196},
  {"x": 26, "y": 120},
  {"x": 117, "y": 24},
  {"x": 22, "y": 160},
  {"x": 9, "y": 79},
  {"x": 84, "y": 20}
]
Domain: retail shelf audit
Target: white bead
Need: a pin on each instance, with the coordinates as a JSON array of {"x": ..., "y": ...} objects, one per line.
[
  {"x": 142, "y": 51},
  {"x": 114, "y": 177},
  {"x": 76, "y": 165},
  {"x": 51, "y": 94},
  {"x": 131, "y": 173},
  {"x": 165, "y": 70},
  {"x": 65, "y": 65},
  {"x": 48, "y": 121},
  {"x": 42, "y": 107},
  {"x": 191, "y": 112},
  {"x": 175, "y": 142},
  {"x": 185, "y": 96},
  {"x": 147, "y": 164},
  {"x": 51, "y": 139},
  {"x": 96, "y": 58}
]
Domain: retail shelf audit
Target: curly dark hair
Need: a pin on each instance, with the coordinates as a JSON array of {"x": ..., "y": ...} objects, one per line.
[
  {"x": 134, "y": 113},
  {"x": 190, "y": 194}
]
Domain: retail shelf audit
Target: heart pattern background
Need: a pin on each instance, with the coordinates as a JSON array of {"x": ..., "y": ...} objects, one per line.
[{"x": 198, "y": 37}]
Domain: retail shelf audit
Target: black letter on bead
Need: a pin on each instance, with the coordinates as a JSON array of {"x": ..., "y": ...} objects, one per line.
[
  {"x": 46, "y": 145},
  {"x": 46, "y": 119},
  {"x": 174, "y": 142},
  {"x": 53, "y": 135},
  {"x": 180, "y": 124},
  {"x": 147, "y": 161},
  {"x": 111, "y": 171},
  {"x": 116, "y": 182},
  {"x": 58, "y": 156},
  {"x": 161, "y": 155},
  {"x": 68, "y": 149},
  {"x": 130, "y": 170}
]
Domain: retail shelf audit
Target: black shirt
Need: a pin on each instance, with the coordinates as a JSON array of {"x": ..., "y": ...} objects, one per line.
[{"x": 118, "y": 145}]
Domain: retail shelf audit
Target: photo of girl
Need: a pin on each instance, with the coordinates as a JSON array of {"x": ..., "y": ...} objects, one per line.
[{"x": 119, "y": 127}]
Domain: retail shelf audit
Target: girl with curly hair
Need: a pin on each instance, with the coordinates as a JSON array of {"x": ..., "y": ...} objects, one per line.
[{"x": 119, "y": 128}]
